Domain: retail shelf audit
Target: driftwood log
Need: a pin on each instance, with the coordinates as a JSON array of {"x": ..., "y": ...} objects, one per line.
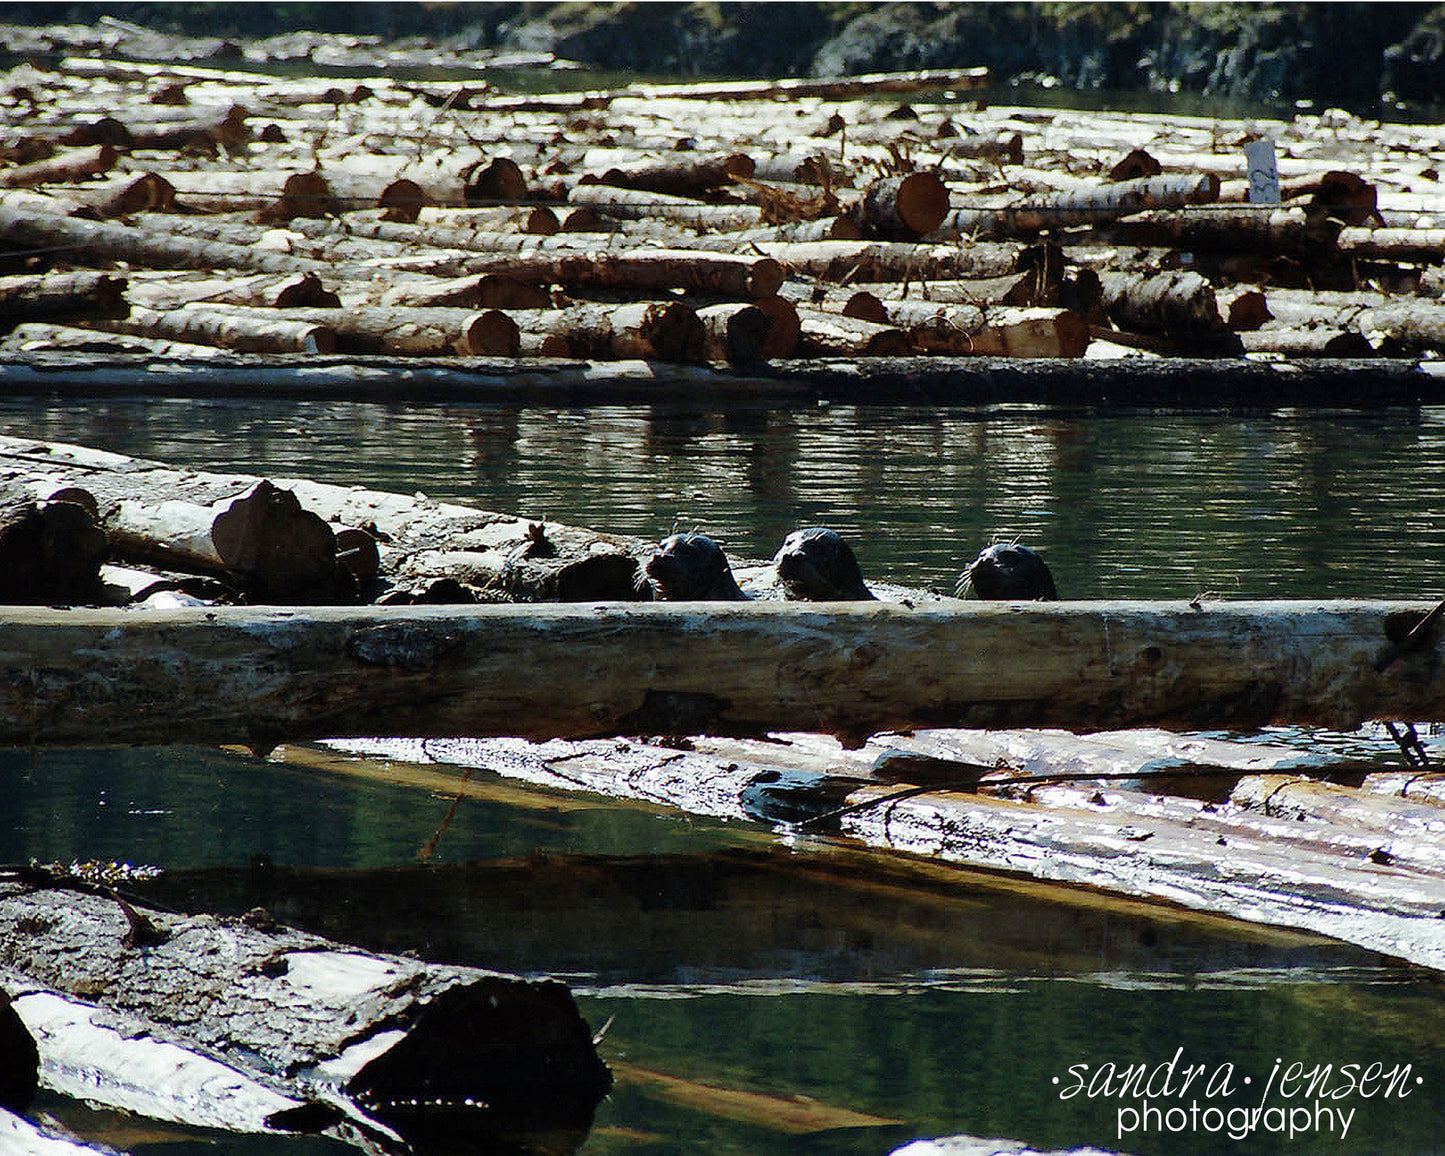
[
  {"x": 383, "y": 1040},
  {"x": 85, "y": 676}
]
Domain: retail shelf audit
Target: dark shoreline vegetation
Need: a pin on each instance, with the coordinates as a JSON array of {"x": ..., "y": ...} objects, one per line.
[{"x": 1349, "y": 55}]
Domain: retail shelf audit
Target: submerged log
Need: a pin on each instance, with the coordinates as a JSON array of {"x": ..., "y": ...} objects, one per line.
[
  {"x": 702, "y": 668},
  {"x": 384, "y": 1038},
  {"x": 1104, "y": 834}
]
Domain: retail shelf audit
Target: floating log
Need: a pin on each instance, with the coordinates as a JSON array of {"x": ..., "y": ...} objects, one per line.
[
  {"x": 865, "y": 84},
  {"x": 1105, "y": 834},
  {"x": 165, "y": 517},
  {"x": 261, "y": 540},
  {"x": 52, "y": 296},
  {"x": 1180, "y": 304},
  {"x": 662, "y": 330},
  {"x": 848, "y": 261},
  {"x": 169, "y": 289},
  {"x": 972, "y": 330},
  {"x": 90, "y": 241},
  {"x": 735, "y": 332},
  {"x": 35, "y": 336},
  {"x": 904, "y": 207},
  {"x": 1424, "y": 245},
  {"x": 692, "y": 668},
  {"x": 475, "y": 291},
  {"x": 227, "y": 327},
  {"x": 1287, "y": 230},
  {"x": 50, "y": 553},
  {"x": 1086, "y": 205},
  {"x": 384, "y": 1038},
  {"x": 823, "y": 334},
  {"x": 684, "y": 176},
  {"x": 414, "y": 330},
  {"x": 75, "y": 165}
]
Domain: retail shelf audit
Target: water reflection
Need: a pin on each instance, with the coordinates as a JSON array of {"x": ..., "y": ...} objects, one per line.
[{"x": 1293, "y": 503}]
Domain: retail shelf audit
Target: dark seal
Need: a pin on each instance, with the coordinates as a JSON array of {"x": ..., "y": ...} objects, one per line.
[
  {"x": 1008, "y": 572},
  {"x": 692, "y": 568},
  {"x": 816, "y": 565}
]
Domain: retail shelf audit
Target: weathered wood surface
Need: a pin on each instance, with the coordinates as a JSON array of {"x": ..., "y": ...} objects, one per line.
[
  {"x": 310, "y": 1018},
  {"x": 1123, "y": 827},
  {"x": 95, "y": 676}
]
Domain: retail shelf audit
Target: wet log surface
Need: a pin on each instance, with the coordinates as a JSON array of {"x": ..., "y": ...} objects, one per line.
[
  {"x": 1331, "y": 379},
  {"x": 1106, "y": 812},
  {"x": 309, "y": 1018}
]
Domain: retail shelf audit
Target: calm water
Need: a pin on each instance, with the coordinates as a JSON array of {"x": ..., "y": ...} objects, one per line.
[
  {"x": 962, "y": 1035},
  {"x": 1296, "y": 503}
]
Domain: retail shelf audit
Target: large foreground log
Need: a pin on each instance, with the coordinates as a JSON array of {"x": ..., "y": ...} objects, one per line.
[
  {"x": 190, "y": 676},
  {"x": 384, "y": 1038}
]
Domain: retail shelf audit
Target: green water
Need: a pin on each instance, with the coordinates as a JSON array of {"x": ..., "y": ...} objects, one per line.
[
  {"x": 1258, "y": 503},
  {"x": 1133, "y": 504}
]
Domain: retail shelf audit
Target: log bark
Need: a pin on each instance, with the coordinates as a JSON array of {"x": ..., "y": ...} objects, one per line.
[
  {"x": 50, "y": 553},
  {"x": 1087, "y": 205},
  {"x": 903, "y": 207},
  {"x": 227, "y": 327},
  {"x": 89, "y": 241},
  {"x": 1180, "y": 304},
  {"x": 666, "y": 331},
  {"x": 84, "y": 676},
  {"x": 75, "y": 165},
  {"x": 169, "y": 289},
  {"x": 735, "y": 332},
  {"x": 1426, "y": 246},
  {"x": 311, "y": 1018},
  {"x": 50, "y": 296},
  {"x": 261, "y": 541},
  {"x": 824, "y": 334},
  {"x": 971, "y": 330}
]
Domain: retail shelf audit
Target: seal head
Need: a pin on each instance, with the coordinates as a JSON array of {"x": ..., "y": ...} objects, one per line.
[
  {"x": 816, "y": 565},
  {"x": 1008, "y": 572},
  {"x": 692, "y": 568}
]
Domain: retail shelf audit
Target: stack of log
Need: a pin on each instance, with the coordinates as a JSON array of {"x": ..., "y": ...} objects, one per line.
[{"x": 209, "y": 210}]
